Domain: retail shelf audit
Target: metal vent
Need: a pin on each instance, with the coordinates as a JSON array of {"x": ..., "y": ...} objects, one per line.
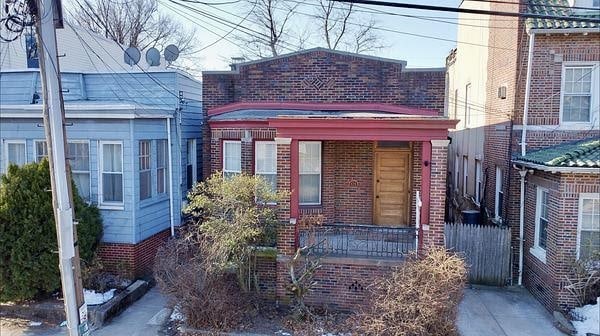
[{"x": 502, "y": 92}]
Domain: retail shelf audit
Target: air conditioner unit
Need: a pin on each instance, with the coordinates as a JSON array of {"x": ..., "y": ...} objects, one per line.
[{"x": 502, "y": 92}]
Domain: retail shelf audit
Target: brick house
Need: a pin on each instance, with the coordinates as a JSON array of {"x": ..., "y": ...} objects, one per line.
[
  {"x": 354, "y": 138},
  {"x": 539, "y": 165}
]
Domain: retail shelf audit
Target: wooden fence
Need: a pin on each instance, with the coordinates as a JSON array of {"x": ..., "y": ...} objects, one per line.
[{"x": 486, "y": 250}]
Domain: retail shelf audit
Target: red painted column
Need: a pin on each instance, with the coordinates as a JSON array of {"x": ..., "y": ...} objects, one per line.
[{"x": 425, "y": 185}]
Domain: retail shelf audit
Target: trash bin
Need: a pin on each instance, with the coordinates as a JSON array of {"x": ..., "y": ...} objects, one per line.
[{"x": 470, "y": 216}]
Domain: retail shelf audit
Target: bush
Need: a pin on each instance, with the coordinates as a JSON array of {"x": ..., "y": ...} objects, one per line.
[
  {"x": 28, "y": 246},
  {"x": 420, "y": 297}
]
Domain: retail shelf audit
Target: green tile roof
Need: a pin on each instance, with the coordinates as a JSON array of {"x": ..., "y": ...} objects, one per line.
[
  {"x": 542, "y": 7},
  {"x": 582, "y": 153}
]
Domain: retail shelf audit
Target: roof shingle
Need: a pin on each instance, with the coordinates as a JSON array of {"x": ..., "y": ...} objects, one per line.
[
  {"x": 581, "y": 153},
  {"x": 559, "y": 8}
]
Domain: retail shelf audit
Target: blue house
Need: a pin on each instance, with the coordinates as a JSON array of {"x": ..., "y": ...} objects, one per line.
[{"x": 134, "y": 143}]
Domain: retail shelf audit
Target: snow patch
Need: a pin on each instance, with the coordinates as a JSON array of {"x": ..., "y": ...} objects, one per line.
[
  {"x": 176, "y": 315},
  {"x": 93, "y": 298},
  {"x": 34, "y": 324},
  {"x": 590, "y": 315}
]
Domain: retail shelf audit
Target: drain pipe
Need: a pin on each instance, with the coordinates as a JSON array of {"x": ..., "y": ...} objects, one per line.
[
  {"x": 170, "y": 171},
  {"x": 523, "y": 171}
]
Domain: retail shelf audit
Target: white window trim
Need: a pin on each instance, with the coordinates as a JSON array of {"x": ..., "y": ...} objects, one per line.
[
  {"x": 35, "y": 152},
  {"x": 499, "y": 181},
  {"x": 6, "y": 143},
  {"x": 320, "y": 174},
  {"x": 165, "y": 167},
  {"x": 465, "y": 171},
  {"x": 595, "y": 100},
  {"x": 536, "y": 250},
  {"x": 582, "y": 196},
  {"x": 89, "y": 171},
  {"x": 109, "y": 205},
  {"x": 225, "y": 154},
  {"x": 140, "y": 170},
  {"x": 194, "y": 159},
  {"x": 478, "y": 181},
  {"x": 256, "y": 143}
]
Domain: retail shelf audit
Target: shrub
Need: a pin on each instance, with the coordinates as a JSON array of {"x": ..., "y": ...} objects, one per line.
[
  {"x": 420, "y": 297},
  {"x": 28, "y": 247},
  {"x": 583, "y": 282},
  {"x": 187, "y": 270},
  {"x": 234, "y": 213}
]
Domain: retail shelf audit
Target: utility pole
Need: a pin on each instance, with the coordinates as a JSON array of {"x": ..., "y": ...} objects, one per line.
[{"x": 47, "y": 15}]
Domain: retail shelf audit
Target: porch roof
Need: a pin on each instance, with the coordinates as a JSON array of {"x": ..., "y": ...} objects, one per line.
[{"x": 344, "y": 121}]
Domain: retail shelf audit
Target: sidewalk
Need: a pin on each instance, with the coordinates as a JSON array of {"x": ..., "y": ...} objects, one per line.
[
  {"x": 144, "y": 318},
  {"x": 492, "y": 311}
]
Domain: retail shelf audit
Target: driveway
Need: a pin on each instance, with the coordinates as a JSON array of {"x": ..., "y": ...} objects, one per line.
[{"x": 512, "y": 311}]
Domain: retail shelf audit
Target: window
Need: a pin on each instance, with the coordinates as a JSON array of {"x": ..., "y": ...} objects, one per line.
[
  {"x": 310, "y": 172},
  {"x": 79, "y": 159},
  {"x": 577, "y": 94},
  {"x": 465, "y": 181},
  {"x": 111, "y": 173},
  {"x": 161, "y": 166},
  {"x": 232, "y": 158},
  {"x": 456, "y": 172},
  {"x": 596, "y": 3},
  {"x": 265, "y": 161},
  {"x": 499, "y": 202},
  {"x": 145, "y": 170},
  {"x": 467, "y": 105},
  {"x": 31, "y": 50},
  {"x": 478, "y": 183},
  {"x": 15, "y": 152},
  {"x": 589, "y": 225},
  {"x": 41, "y": 150},
  {"x": 541, "y": 224},
  {"x": 191, "y": 168},
  {"x": 455, "y": 104}
]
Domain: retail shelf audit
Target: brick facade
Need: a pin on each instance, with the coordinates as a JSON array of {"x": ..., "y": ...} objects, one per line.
[{"x": 133, "y": 260}]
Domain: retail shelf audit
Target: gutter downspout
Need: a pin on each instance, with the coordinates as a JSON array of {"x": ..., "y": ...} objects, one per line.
[
  {"x": 170, "y": 155},
  {"x": 523, "y": 172}
]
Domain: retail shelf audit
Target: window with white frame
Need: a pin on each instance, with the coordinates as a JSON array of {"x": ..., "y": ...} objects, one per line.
[
  {"x": 15, "y": 152},
  {"x": 589, "y": 226},
  {"x": 192, "y": 164},
  {"x": 265, "y": 161},
  {"x": 467, "y": 105},
  {"x": 579, "y": 93},
  {"x": 111, "y": 173},
  {"x": 161, "y": 166},
  {"x": 478, "y": 183},
  {"x": 41, "y": 150},
  {"x": 145, "y": 170},
  {"x": 465, "y": 174},
  {"x": 456, "y": 171},
  {"x": 541, "y": 224},
  {"x": 310, "y": 172},
  {"x": 232, "y": 158},
  {"x": 499, "y": 199},
  {"x": 79, "y": 159}
]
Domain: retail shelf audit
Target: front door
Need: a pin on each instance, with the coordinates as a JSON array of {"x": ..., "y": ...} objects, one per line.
[{"x": 392, "y": 187}]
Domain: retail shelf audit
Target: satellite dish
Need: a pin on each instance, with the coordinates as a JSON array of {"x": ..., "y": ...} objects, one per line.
[
  {"x": 171, "y": 53},
  {"x": 131, "y": 56},
  {"x": 153, "y": 57}
]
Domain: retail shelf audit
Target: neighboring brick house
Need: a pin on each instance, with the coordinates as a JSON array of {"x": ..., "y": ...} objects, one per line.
[
  {"x": 353, "y": 138},
  {"x": 540, "y": 162}
]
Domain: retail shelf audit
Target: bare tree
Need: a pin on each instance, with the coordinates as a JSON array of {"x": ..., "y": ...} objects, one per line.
[
  {"x": 272, "y": 18},
  {"x": 340, "y": 30},
  {"x": 135, "y": 23}
]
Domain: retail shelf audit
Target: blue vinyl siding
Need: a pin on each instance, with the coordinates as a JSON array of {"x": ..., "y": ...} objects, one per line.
[{"x": 137, "y": 220}]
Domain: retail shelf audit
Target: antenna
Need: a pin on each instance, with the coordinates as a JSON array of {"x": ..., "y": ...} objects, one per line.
[
  {"x": 153, "y": 57},
  {"x": 132, "y": 56},
  {"x": 171, "y": 53}
]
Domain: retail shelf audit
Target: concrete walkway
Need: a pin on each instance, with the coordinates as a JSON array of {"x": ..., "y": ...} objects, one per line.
[
  {"x": 491, "y": 311},
  {"x": 144, "y": 318}
]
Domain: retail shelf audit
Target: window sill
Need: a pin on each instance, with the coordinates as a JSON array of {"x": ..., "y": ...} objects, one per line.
[
  {"x": 111, "y": 206},
  {"x": 539, "y": 253}
]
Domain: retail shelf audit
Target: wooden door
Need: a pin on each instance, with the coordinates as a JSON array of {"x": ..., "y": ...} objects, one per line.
[{"x": 392, "y": 187}]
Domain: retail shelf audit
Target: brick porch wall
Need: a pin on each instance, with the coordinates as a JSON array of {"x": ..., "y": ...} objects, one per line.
[{"x": 133, "y": 260}]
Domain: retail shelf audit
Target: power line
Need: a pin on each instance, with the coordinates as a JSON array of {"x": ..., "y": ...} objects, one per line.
[{"x": 469, "y": 10}]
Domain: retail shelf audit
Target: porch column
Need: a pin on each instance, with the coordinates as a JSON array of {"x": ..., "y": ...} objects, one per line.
[
  {"x": 425, "y": 185},
  {"x": 434, "y": 197}
]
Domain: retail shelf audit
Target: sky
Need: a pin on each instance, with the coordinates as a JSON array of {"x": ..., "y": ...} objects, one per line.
[{"x": 419, "y": 52}]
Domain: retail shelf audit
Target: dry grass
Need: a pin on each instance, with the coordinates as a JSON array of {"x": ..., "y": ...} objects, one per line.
[{"x": 419, "y": 298}]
